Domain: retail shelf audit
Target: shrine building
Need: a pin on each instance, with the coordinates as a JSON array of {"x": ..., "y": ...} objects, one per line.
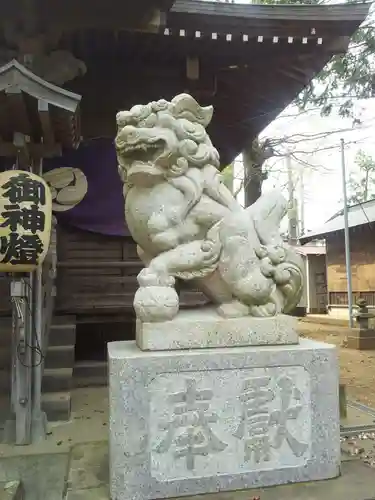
[{"x": 90, "y": 59}]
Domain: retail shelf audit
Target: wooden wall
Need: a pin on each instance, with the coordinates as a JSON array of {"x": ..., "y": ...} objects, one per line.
[
  {"x": 362, "y": 253},
  {"x": 317, "y": 284},
  {"x": 97, "y": 275},
  {"x": 5, "y": 306}
]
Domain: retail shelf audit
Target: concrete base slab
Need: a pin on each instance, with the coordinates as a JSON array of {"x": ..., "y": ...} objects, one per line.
[
  {"x": 88, "y": 466},
  {"x": 203, "y": 328},
  {"x": 88, "y": 494},
  {"x": 43, "y": 477},
  {"x": 355, "y": 483},
  {"x": 209, "y": 420},
  {"x": 11, "y": 490}
]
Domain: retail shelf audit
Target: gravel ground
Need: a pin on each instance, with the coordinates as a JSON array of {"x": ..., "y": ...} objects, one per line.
[
  {"x": 357, "y": 368},
  {"x": 361, "y": 446},
  {"x": 357, "y": 372}
]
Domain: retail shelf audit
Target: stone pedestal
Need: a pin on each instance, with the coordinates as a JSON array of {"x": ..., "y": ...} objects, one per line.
[
  {"x": 186, "y": 422},
  {"x": 361, "y": 339},
  {"x": 196, "y": 329}
]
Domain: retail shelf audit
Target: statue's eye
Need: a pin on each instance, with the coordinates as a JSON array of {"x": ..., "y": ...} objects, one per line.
[{"x": 149, "y": 122}]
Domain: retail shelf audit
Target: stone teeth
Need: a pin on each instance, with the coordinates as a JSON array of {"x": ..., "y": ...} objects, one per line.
[{"x": 139, "y": 147}]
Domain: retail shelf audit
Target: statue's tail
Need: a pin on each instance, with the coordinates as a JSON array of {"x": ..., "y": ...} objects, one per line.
[
  {"x": 266, "y": 214},
  {"x": 291, "y": 291}
]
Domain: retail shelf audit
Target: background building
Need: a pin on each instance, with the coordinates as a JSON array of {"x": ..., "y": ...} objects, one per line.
[{"x": 362, "y": 257}]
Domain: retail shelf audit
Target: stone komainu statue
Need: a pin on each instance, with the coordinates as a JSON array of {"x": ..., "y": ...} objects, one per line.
[{"x": 188, "y": 225}]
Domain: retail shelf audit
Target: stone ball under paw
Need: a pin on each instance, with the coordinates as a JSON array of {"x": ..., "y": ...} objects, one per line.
[{"x": 156, "y": 303}]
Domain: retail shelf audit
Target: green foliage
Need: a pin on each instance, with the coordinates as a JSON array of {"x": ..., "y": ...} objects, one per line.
[
  {"x": 347, "y": 77},
  {"x": 361, "y": 187}
]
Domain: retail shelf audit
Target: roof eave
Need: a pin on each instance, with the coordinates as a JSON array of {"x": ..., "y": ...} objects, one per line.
[
  {"x": 337, "y": 13},
  {"x": 307, "y": 238}
]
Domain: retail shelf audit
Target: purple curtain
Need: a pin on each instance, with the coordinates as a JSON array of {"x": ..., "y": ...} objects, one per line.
[{"x": 102, "y": 208}]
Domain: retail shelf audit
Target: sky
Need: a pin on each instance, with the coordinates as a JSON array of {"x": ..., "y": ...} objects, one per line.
[
  {"x": 314, "y": 142},
  {"x": 320, "y": 159}
]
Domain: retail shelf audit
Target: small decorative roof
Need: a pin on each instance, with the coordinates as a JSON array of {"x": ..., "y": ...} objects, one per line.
[
  {"x": 14, "y": 76},
  {"x": 45, "y": 115}
]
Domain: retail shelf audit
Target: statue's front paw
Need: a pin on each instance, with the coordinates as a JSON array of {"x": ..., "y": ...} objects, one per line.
[
  {"x": 151, "y": 277},
  {"x": 156, "y": 303}
]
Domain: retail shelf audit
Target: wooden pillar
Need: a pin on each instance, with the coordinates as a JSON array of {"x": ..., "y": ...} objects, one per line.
[{"x": 342, "y": 401}]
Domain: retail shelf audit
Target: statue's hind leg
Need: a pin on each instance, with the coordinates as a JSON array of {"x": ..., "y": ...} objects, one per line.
[{"x": 266, "y": 214}]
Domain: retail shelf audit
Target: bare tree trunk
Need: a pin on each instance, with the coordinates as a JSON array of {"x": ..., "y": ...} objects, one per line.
[{"x": 254, "y": 155}]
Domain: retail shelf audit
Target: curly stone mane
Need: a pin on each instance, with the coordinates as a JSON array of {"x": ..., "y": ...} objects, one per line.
[{"x": 185, "y": 118}]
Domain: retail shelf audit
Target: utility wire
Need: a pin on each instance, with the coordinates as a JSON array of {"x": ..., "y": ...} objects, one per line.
[{"x": 23, "y": 345}]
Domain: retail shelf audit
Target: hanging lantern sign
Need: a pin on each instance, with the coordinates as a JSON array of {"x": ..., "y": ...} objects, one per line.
[{"x": 25, "y": 221}]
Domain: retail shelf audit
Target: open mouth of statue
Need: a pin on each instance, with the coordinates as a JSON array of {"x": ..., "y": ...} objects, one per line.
[
  {"x": 143, "y": 152},
  {"x": 142, "y": 160}
]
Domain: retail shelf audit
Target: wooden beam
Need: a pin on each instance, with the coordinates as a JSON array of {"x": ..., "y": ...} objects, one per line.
[
  {"x": 87, "y": 264},
  {"x": 153, "y": 21},
  {"x": 11, "y": 150},
  {"x": 67, "y": 128},
  {"x": 338, "y": 46},
  {"x": 29, "y": 16},
  {"x": 45, "y": 121},
  {"x": 192, "y": 68},
  {"x": 17, "y": 110},
  {"x": 20, "y": 144},
  {"x": 96, "y": 14},
  {"x": 103, "y": 318},
  {"x": 303, "y": 68},
  {"x": 293, "y": 74}
]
